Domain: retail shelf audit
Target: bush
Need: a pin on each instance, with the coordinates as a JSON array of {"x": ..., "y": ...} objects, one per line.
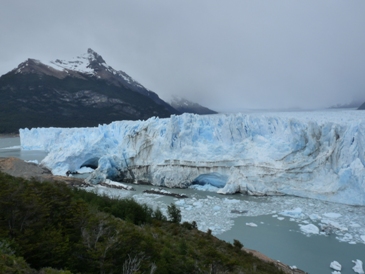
[
  {"x": 174, "y": 213},
  {"x": 237, "y": 244}
]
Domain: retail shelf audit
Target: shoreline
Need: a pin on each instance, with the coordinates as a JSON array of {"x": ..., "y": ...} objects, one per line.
[
  {"x": 283, "y": 267},
  {"x": 9, "y": 135}
]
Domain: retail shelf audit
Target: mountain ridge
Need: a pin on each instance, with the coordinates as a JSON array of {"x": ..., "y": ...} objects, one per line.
[
  {"x": 185, "y": 106},
  {"x": 82, "y": 92}
]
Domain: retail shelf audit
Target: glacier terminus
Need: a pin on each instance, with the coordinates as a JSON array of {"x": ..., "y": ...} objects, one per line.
[{"x": 316, "y": 154}]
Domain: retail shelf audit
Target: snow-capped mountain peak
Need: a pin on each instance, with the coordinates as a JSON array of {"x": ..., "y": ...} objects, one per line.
[
  {"x": 89, "y": 63},
  {"x": 75, "y": 87}
]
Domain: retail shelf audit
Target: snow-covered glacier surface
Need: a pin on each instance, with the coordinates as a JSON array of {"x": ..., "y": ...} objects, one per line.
[{"x": 317, "y": 154}]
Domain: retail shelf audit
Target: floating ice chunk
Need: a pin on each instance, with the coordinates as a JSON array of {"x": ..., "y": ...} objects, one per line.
[
  {"x": 118, "y": 184},
  {"x": 336, "y": 265},
  {"x": 294, "y": 213},
  {"x": 85, "y": 170},
  {"x": 355, "y": 225},
  {"x": 336, "y": 272},
  {"x": 314, "y": 217},
  {"x": 334, "y": 225},
  {"x": 251, "y": 224},
  {"x": 362, "y": 237},
  {"x": 281, "y": 218},
  {"x": 32, "y": 161},
  {"x": 198, "y": 204},
  {"x": 332, "y": 215},
  {"x": 13, "y": 147},
  {"x": 309, "y": 229},
  {"x": 345, "y": 238},
  {"x": 180, "y": 202},
  {"x": 206, "y": 187},
  {"x": 230, "y": 201},
  {"x": 358, "y": 267},
  {"x": 216, "y": 208}
]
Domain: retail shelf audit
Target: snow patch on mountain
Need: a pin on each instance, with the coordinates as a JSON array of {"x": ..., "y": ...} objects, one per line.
[{"x": 308, "y": 154}]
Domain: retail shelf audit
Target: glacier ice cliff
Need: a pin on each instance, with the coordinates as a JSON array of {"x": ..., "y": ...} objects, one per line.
[{"x": 308, "y": 154}]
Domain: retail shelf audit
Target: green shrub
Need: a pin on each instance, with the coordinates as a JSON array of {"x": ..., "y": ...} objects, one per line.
[
  {"x": 174, "y": 213},
  {"x": 237, "y": 244}
]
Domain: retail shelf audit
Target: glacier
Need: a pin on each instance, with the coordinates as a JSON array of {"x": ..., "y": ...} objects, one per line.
[{"x": 317, "y": 154}]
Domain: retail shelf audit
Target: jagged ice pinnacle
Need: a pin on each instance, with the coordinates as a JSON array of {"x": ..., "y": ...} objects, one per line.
[{"x": 309, "y": 154}]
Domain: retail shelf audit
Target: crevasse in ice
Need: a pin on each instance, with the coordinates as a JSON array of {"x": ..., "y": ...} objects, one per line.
[{"x": 309, "y": 154}]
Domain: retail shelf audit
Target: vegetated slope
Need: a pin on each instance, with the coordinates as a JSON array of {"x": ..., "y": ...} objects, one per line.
[
  {"x": 84, "y": 92},
  {"x": 55, "y": 226}
]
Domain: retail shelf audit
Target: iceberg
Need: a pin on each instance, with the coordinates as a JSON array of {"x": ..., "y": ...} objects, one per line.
[
  {"x": 308, "y": 154},
  {"x": 358, "y": 266},
  {"x": 309, "y": 229},
  {"x": 336, "y": 265}
]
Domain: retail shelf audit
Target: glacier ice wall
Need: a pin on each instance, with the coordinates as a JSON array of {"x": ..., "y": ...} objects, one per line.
[{"x": 309, "y": 154}]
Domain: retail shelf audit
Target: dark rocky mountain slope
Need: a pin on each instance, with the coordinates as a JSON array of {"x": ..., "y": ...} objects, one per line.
[
  {"x": 82, "y": 92},
  {"x": 186, "y": 106},
  {"x": 362, "y": 107}
]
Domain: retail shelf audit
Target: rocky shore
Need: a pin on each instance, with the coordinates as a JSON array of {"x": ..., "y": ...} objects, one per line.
[
  {"x": 283, "y": 267},
  {"x": 19, "y": 168}
]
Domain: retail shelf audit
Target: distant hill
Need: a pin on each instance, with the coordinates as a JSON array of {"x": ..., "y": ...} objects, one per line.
[
  {"x": 82, "y": 92},
  {"x": 353, "y": 104},
  {"x": 362, "y": 106},
  {"x": 186, "y": 106}
]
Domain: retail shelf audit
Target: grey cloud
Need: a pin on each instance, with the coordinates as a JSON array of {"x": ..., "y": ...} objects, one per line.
[{"x": 226, "y": 55}]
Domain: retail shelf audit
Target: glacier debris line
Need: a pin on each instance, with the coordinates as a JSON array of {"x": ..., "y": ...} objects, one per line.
[{"x": 318, "y": 155}]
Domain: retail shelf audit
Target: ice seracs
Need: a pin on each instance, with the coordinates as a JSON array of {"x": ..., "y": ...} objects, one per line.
[{"x": 309, "y": 154}]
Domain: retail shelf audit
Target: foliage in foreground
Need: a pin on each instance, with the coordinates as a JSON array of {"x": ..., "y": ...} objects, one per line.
[{"x": 48, "y": 226}]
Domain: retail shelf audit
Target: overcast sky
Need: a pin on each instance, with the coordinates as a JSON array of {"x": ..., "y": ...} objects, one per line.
[{"x": 227, "y": 55}]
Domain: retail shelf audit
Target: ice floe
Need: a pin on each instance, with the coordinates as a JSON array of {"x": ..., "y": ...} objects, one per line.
[
  {"x": 358, "y": 267},
  {"x": 32, "y": 161},
  {"x": 335, "y": 265},
  {"x": 309, "y": 229}
]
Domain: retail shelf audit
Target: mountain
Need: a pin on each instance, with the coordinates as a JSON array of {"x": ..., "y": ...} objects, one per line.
[
  {"x": 186, "y": 106},
  {"x": 362, "y": 106},
  {"x": 353, "y": 104},
  {"x": 82, "y": 92}
]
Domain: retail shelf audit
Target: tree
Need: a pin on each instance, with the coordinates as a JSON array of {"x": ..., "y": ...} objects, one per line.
[
  {"x": 174, "y": 213},
  {"x": 237, "y": 244}
]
